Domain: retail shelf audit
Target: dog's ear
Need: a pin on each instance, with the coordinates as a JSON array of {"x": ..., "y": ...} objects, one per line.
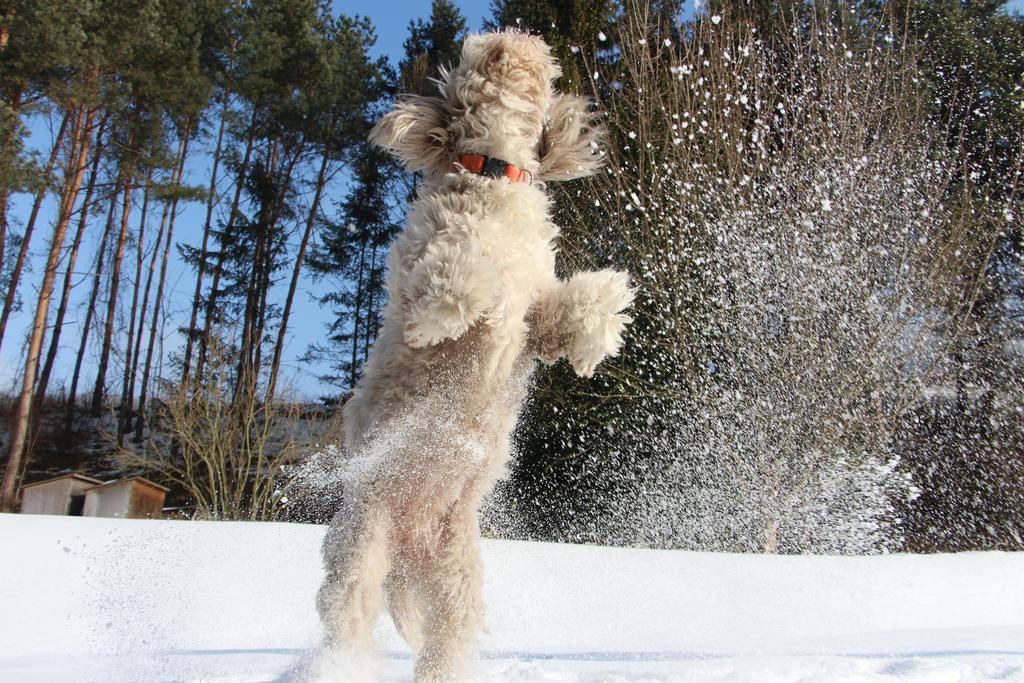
[
  {"x": 415, "y": 132},
  {"x": 569, "y": 144}
]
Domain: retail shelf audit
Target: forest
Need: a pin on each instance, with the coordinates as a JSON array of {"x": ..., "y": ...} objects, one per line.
[{"x": 819, "y": 203}]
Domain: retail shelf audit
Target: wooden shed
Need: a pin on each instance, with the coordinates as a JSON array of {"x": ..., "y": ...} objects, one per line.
[
  {"x": 132, "y": 498},
  {"x": 64, "y": 495}
]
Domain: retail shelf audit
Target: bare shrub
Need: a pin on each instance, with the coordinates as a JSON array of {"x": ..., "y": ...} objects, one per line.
[{"x": 224, "y": 446}]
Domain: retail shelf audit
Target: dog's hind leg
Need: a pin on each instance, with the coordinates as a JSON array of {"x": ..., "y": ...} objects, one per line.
[
  {"x": 452, "y": 593},
  {"x": 404, "y": 604},
  {"x": 356, "y": 559}
]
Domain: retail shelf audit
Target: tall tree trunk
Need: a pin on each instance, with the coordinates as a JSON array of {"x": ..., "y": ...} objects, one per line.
[
  {"x": 129, "y": 390},
  {"x": 5, "y": 190},
  {"x": 225, "y": 237},
  {"x": 90, "y": 308},
  {"x": 5, "y": 33},
  {"x": 126, "y": 401},
  {"x": 143, "y": 389},
  {"x": 4, "y": 194},
  {"x": 244, "y": 350},
  {"x": 69, "y": 273},
  {"x": 371, "y": 313},
  {"x": 263, "y": 291},
  {"x": 75, "y": 171},
  {"x": 282, "y": 330},
  {"x": 169, "y": 208},
  {"x": 355, "y": 316},
  {"x": 211, "y": 203},
  {"x": 262, "y": 281},
  {"x": 115, "y": 284},
  {"x": 263, "y": 287},
  {"x": 263, "y": 227},
  {"x": 19, "y": 263}
]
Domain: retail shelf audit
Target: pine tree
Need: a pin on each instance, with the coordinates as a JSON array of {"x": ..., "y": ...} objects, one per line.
[
  {"x": 98, "y": 47},
  {"x": 173, "y": 78},
  {"x": 431, "y": 45},
  {"x": 218, "y": 59},
  {"x": 12, "y": 278},
  {"x": 334, "y": 119},
  {"x": 168, "y": 219},
  {"x": 85, "y": 212},
  {"x": 38, "y": 39},
  {"x": 156, "y": 85},
  {"x": 350, "y": 254},
  {"x": 277, "y": 55}
]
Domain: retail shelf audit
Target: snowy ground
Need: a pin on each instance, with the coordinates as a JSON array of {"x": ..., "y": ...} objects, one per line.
[{"x": 107, "y": 600}]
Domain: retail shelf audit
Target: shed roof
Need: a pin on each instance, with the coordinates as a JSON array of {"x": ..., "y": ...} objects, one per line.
[
  {"x": 130, "y": 480},
  {"x": 72, "y": 475}
]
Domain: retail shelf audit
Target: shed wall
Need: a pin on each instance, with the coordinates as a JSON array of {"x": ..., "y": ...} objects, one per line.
[
  {"x": 108, "y": 501},
  {"x": 47, "y": 499},
  {"x": 146, "y": 502}
]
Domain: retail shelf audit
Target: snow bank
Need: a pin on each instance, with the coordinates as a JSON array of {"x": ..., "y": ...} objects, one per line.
[{"x": 153, "y": 600}]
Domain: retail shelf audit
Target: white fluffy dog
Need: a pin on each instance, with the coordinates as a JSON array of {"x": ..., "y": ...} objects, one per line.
[{"x": 473, "y": 300}]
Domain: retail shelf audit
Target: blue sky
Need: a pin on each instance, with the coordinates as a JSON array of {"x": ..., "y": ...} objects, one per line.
[{"x": 391, "y": 18}]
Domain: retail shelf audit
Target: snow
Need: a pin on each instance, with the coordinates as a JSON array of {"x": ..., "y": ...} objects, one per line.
[{"x": 127, "y": 600}]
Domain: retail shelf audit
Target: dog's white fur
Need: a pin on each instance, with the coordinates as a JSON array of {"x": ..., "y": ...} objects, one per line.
[{"x": 473, "y": 300}]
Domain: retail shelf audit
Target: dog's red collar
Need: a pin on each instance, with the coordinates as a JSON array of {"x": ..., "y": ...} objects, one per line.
[{"x": 489, "y": 166}]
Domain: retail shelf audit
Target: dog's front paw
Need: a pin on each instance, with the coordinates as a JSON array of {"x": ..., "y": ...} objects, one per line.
[
  {"x": 454, "y": 299},
  {"x": 592, "y": 346},
  {"x": 434, "y": 322},
  {"x": 598, "y": 322}
]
